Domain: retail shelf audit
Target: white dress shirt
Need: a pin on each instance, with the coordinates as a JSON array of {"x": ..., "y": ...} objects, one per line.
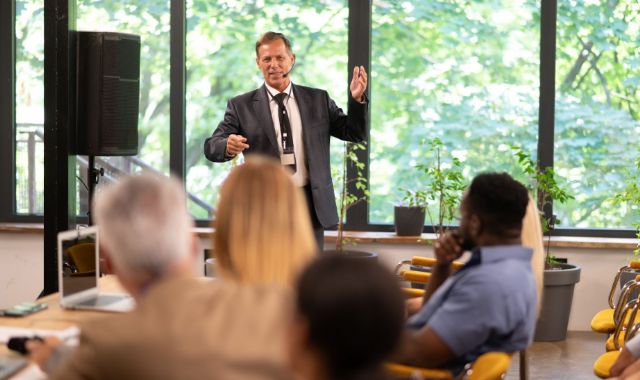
[{"x": 301, "y": 176}]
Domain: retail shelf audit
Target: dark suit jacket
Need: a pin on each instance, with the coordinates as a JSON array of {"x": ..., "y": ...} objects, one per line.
[{"x": 249, "y": 115}]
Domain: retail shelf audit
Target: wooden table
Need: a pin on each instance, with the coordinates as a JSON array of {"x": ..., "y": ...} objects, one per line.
[{"x": 55, "y": 317}]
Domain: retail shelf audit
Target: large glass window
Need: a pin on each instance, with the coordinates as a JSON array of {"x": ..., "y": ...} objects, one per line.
[
  {"x": 29, "y": 69},
  {"x": 597, "y": 108},
  {"x": 466, "y": 72},
  {"x": 221, "y": 64}
]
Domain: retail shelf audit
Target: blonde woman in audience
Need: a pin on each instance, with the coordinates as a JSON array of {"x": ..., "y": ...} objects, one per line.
[
  {"x": 262, "y": 229},
  {"x": 532, "y": 238},
  {"x": 182, "y": 327}
]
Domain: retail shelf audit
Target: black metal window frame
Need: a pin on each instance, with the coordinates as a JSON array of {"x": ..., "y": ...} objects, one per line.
[{"x": 359, "y": 52}]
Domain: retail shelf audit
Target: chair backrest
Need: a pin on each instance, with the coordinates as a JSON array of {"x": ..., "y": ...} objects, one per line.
[
  {"x": 83, "y": 256},
  {"x": 624, "y": 298},
  {"x": 490, "y": 366},
  {"x": 632, "y": 267}
]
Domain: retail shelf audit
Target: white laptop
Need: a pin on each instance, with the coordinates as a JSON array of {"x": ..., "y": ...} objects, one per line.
[{"x": 78, "y": 273}]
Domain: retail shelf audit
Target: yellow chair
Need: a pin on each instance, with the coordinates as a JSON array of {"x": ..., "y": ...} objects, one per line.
[
  {"x": 83, "y": 256},
  {"x": 627, "y": 328},
  {"x": 488, "y": 366},
  {"x": 413, "y": 293},
  {"x": 623, "y": 332},
  {"x": 427, "y": 262},
  {"x": 418, "y": 276},
  {"x": 602, "y": 366},
  {"x": 604, "y": 321}
]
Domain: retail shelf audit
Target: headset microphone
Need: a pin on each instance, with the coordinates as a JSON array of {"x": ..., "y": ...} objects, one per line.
[{"x": 287, "y": 73}]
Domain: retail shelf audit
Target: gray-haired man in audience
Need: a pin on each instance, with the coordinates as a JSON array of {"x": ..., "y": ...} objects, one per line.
[{"x": 182, "y": 328}]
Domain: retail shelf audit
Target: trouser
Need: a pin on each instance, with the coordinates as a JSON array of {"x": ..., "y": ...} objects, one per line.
[{"x": 318, "y": 229}]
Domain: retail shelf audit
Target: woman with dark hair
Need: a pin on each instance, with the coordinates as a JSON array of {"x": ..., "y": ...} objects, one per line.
[{"x": 349, "y": 318}]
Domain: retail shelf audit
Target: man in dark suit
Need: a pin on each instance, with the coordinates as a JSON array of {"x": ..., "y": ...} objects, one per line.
[{"x": 293, "y": 124}]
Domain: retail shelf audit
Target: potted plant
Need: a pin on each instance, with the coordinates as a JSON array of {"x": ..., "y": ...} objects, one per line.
[
  {"x": 445, "y": 183},
  {"x": 408, "y": 216},
  {"x": 346, "y": 200},
  {"x": 559, "y": 277}
]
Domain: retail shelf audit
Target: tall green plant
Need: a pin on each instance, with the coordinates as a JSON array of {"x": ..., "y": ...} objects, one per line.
[
  {"x": 543, "y": 185},
  {"x": 445, "y": 185},
  {"x": 346, "y": 200}
]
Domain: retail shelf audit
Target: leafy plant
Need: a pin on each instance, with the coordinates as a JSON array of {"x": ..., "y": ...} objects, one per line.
[
  {"x": 445, "y": 185},
  {"x": 346, "y": 200},
  {"x": 543, "y": 184},
  {"x": 414, "y": 198},
  {"x": 630, "y": 196}
]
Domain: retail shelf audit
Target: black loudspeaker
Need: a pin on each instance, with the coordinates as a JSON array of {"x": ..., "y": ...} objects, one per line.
[{"x": 107, "y": 94}]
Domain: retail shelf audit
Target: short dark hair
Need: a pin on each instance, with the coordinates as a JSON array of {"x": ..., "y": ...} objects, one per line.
[
  {"x": 498, "y": 200},
  {"x": 355, "y": 312},
  {"x": 272, "y": 36}
]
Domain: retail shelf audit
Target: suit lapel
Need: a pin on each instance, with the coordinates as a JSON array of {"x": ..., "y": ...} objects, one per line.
[
  {"x": 263, "y": 112},
  {"x": 304, "y": 107}
]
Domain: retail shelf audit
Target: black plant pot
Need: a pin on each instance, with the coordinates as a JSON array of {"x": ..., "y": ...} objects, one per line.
[
  {"x": 354, "y": 254},
  {"x": 409, "y": 220}
]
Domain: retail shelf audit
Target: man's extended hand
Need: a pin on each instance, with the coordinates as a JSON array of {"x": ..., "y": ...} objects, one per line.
[
  {"x": 236, "y": 144},
  {"x": 358, "y": 83}
]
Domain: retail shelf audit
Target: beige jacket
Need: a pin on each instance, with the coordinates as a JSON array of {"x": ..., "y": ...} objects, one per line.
[{"x": 188, "y": 329}]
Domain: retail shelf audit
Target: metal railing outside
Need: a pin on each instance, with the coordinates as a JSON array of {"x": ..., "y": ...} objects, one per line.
[{"x": 30, "y": 183}]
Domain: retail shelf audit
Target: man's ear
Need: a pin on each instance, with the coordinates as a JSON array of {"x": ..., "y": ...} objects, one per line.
[
  {"x": 106, "y": 265},
  {"x": 476, "y": 225}
]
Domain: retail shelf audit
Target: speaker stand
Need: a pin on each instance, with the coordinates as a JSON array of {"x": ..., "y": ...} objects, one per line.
[{"x": 94, "y": 177}]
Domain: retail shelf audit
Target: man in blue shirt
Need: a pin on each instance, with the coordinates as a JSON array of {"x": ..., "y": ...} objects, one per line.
[{"x": 490, "y": 303}]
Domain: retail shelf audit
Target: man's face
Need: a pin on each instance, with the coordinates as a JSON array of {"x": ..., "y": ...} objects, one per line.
[
  {"x": 274, "y": 60},
  {"x": 466, "y": 231}
]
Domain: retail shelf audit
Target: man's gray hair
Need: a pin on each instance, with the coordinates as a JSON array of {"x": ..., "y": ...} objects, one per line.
[{"x": 144, "y": 223}]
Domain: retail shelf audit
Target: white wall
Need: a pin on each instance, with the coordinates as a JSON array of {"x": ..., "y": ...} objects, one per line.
[{"x": 21, "y": 269}]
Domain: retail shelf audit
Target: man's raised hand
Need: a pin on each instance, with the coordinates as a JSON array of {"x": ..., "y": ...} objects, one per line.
[{"x": 358, "y": 83}]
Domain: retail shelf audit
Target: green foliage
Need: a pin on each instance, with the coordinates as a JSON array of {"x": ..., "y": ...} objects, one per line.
[
  {"x": 414, "y": 198},
  {"x": 475, "y": 85},
  {"x": 346, "y": 199},
  {"x": 445, "y": 184},
  {"x": 544, "y": 186}
]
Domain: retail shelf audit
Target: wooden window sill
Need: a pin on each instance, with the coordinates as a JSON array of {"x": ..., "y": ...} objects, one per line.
[{"x": 364, "y": 237}]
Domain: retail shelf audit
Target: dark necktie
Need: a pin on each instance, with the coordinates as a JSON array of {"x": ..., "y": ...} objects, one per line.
[{"x": 285, "y": 126}]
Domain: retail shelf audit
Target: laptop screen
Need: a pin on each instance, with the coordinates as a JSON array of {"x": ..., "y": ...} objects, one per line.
[{"x": 79, "y": 252}]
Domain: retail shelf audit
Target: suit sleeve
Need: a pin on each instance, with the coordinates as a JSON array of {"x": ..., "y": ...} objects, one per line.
[
  {"x": 351, "y": 127},
  {"x": 215, "y": 146}
]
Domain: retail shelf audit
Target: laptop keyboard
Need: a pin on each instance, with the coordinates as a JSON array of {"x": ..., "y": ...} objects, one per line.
[
  {"x": 10, "y": 365},
  {"x": 103, "y": 300}
]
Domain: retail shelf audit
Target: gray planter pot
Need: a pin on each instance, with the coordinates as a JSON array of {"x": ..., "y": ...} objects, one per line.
[
  {"x": 556, "y": 303},
  {"x": 409, "y": 221}
]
